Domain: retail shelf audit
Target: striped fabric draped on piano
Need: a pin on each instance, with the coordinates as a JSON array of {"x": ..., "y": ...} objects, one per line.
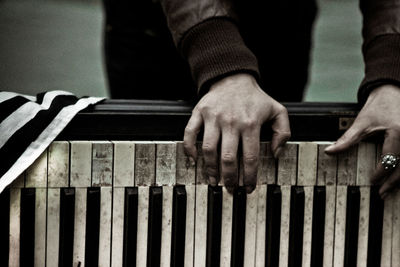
[{"x": 29, "y": 124}]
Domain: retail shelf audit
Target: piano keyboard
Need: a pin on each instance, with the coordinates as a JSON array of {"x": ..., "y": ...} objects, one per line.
[{"x": 120, "y": 203}]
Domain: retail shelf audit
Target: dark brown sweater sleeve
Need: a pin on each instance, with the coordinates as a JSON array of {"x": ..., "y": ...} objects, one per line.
[{"x": 215, "y": 49}]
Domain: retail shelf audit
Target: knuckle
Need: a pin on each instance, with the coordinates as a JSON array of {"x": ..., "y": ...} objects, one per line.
[
  {"x": 228, "y": 159},
  {"x": 250, "y": 159},
  {"x": 208, "y": 149},
  {"x": 250, "y": 123},
  {"x": 228, "y": 120},
  {"x": 281, "y": 109},
  {"x": 189, "y": 130}
]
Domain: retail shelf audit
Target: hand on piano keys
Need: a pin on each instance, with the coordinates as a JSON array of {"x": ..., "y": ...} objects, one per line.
[{"x": 120, "y": 203}]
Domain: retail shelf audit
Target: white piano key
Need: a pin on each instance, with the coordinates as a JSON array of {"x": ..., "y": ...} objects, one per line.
[
  {"x": 81, "y": 164},
  {"x": 185, "y": 167},
  {"x": 340, "y": 226},
  {"x": 124, "y": 163},
  {"x": 327, "y": 166},
  {"x": 165, "y": 163},
  {"x": 329, "y": 233},
  {"x": 365, "y": 162},
  {"x": 251, "y": 229},
  {"x": 166, "y": 226},
  {"x": 347, "y": 166},
  {"x": 36, "y": 174},
  {"x": 58, "y": 164},
  {"x": 387, "y": 231},
  {"x": 261, "y": 226},
  {"x": 201, "y": 178},
  {"x": 105, "y": 227},
  {"x": 285, "y": 223},
  {"x": 19, "y": 182},
  {"x": 190, "y": 217},
  {"x": 79, "y": 227},
  {"x": 40, "y": 227},
  {"x": 15, "y": 216},
  {"x": 145, "y": 163},
  {"x": 362, "y": 251},
  {"x": 226, "y": 228},
  {"x": 287, "y": 165},
  {"x": 307, "y": 230},
  {"x": 200, "y": 236},
  {"x": 143, "y": 213},
  {"x": 307, "y": 164},
  {"x": 53, "y": 226},
  {"x": 396, "y": 230},
  {"x": 118, "y": 226},
  {"x": 266, "y": 167},
  {"x": 102, "y": 159}
]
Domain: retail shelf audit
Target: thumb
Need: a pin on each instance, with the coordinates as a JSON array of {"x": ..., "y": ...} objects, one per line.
[{"x": 351, "y": 137}]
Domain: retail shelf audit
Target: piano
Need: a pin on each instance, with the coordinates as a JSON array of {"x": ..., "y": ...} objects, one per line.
[{"x": 116, "y": 189}]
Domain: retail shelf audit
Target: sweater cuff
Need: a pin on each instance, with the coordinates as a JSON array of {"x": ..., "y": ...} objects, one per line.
[
  {"x": 382, "y": 64},
  {"x": 215, "y": 49}
]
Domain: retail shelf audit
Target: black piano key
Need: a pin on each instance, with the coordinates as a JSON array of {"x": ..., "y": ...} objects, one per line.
[
  {"x": 318, "y": 223},
  {"x": 214, "y": 211},
  {"x": 273, "y": 225},
  {"x": 296, "y": 227},
  {"x": 92, "y": 227},
  {"x": 4, "y": 226},
  {"x": 178, "y": 226},
  {"x": 27, "y": 232},
  {"x": 352, "y": 222},
  {"x": 154, "y": 227},
  {"x": 238, "y": 227},
  {"x": 375, "y": 228},
  {"x": 67, "y": 222},
  {"x": 130, "y": 226}
]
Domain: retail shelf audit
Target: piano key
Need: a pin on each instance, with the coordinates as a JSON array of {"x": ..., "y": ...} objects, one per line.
[
  {"x": 67, "y": 210},
  {"x": 366, "y": 159},
  {"x": 130, "y": 228},
  {"x": 185, "y": 167},
  {"x": 347, "y": 166},
  {"x": 296, "y": 226},
  {"x": 396, "y": 229},
  {"x": 79, "y": 226},
  {"x": 4, "y": 226},
  {"x": 340, "y": 226},
  {"x": 142, "y": 226},
  {"x": 250, "y": 229},
  {"x": 40, "y": 226},
  {"x": 201, "y": 178},
  {"x": 53, "y": 227},
  {"x": 308, "y": 225},
  {"x": 102, "y": 160},
  {"x": 19, "y": 182},
  {"x": 266, "y": 168},
  {"x": 226, "y": 228},
  {"x": 190, "y": 225},
  {"x": 36, "y": 174},
  {"x": 238, "y": 227},
  {"x": 15, "y": 226},
  {"x": 200, "y": 236},
  {"x": 362, "y": 252},
  {"x": 273, "y": 223},
  {"x": 329, "y": 233},
  {"x": 307, "y": 164},
  {"x": 27, "y": 224},
  {"x": 120, "y": 195},
  {"x": 166, "y": 224},
  {"x": 58, "y": 164},
  {"x": 124, "y": 163},
  {"x": 214, "y": 211},
  {"x": 352, "y": 222},
  {"x": 92, "y": 227},
  {"x": 81, "y": 164},
  {"x": 387, "y": 231},
  {"x": 318, "y": 223},
  {"x": 155, "y": 224},
  {"x": 261, "y": 226},
  {"x": 327, "y": 166},
  {"x": 105, "y": 226},
  {"x": 165, "y": 163},
  {"x": 285, "y": 222},
  {"x": 375, "y": 228},
  {"x": 145, "y": 163},
  {"x": 287, "y": 165},
  {"x": 178, "y": 233}
]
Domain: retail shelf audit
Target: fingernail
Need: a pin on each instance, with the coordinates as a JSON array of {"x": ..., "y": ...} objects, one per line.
[
  {"x": 278, "y": 152},
  {"x": 213, "y": 181},
  {"x": 250, "y": 188}
]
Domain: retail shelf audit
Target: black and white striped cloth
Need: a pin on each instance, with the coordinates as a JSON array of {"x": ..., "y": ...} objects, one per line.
[{"x": 29, "y": 124}]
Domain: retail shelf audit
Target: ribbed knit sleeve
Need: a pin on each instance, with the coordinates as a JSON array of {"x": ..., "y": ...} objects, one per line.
[
  {"x": 382, "y": 64},
  {"x": 215, "y": 49}
]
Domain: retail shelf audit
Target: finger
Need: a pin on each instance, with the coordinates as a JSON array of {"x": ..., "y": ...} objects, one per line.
[
  {"x": 210, "y": 153},
  {"x": 251, "y": 149},
  {"x": 229, "y": 163},
  {"x": 190, "y": 136},
  {"x": 391, "y": 145},
  {"x": 281, "y": 132},
  {"x": 352, "y": 136},
  {"x": 391, "y": 183}
]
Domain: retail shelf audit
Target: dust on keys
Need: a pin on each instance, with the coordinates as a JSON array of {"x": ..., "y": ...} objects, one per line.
[{"x": 122, "y": 203}]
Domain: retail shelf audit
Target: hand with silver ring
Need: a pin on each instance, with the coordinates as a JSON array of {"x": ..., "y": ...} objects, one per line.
[{"x": 381, "y": 113}]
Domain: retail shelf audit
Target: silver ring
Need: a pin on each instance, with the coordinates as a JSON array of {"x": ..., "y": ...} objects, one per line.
[{"x": 389, "y": 161}]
